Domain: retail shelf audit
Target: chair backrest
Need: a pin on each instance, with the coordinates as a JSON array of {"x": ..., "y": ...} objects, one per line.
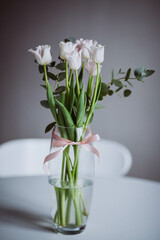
[
  {"x": 115, "y": 158},
  {"x": 23, "y": 157}
]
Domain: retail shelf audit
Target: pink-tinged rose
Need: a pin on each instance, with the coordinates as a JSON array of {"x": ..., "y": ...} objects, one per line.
[
  {"x": 74, "y": 59},
  {"x": 66, "y": 49},
  {"x": 91, "y": 68},
  {"x": 97, "y": 53},
  {"x": 42, "y": 54}
]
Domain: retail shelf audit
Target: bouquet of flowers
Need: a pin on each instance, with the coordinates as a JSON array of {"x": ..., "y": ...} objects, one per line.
[{"x": 72, "y": 105}]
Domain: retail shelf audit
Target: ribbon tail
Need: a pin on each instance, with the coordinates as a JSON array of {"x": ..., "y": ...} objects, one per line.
[
  {"x": 92, "y": 149},
  {"x": 49, "y": 158}
]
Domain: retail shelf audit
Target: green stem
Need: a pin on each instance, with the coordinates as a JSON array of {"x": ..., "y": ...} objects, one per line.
[
  {"x": 62, "y": 203},
  {"x": 68, "y": 209},
  {"x": 93, "y": 100},
  {"x": 77, "y": 81},
  {"x": 45, "y": 74},
  {"x": 67, "y": 76},
  {"x": 70, "y": 76}
]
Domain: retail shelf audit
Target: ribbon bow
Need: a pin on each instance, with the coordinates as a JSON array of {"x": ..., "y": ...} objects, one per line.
[{"x": 63, "y": 142}]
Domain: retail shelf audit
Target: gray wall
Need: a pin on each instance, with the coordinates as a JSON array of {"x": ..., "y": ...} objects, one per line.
[{"x": 131, "y": 33}]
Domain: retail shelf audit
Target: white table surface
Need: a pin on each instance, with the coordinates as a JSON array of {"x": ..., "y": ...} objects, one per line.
[{"x": 122, "y": 208}]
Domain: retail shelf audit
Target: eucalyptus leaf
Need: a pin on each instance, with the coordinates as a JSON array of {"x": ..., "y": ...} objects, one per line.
[
  {"x": 61, "y": 66},
  {"x": 41, "y": 69},
  {"x": 110, "y": 92},
  {"x": 120, "y": 71},
  {"x": 148, "y": 72},
  {"x": 128, "y": 74},
  {"x": 44, "y": 103},
  {"x": 59, "y": 90},
  {"x": 53, "y": 64},
  {"x": 51, "y": 76},
  {"x": 42, "y": 85},
  {"x": 127, "y": 92},
  {"x": 118, "y": 89},
  {"x": 70, "y": 39},
  {"x": 104, "y": 89},
  {"x": 49, "y": 127},
  {"x": 117, "y": 83},
  {"x": 61, "y": 76},
  {"x": 140, "y": 73}
]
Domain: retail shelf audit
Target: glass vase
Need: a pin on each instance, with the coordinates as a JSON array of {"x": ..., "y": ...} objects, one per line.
[{"x": 70, "y": 181}]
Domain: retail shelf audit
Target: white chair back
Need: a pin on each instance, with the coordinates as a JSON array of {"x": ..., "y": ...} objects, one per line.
[
  {"x": 23, "y": 157},
  {"x": 115, "y": 158}
]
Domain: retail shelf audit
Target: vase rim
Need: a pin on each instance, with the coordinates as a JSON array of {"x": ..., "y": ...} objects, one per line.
[{"x": 74, "y": 127}]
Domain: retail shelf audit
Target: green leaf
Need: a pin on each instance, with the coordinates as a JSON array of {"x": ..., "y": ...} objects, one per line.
[
  {"x": 59, "y": 90},
  {"x": 128, "y": 74},
  {"x": 118, "y": 89},
  {"x": 52, "y": 64},
  {"x": 80, "y": 77},
  {"x": 40, "y": 68},
  {"x": 110, "y": 92},
  {"x": 52, "y": 76},
  {"x": 112, "y": 74},
  {"x": 129, "y": 83},
  {"x": 98, "y": 106},
  {"x": 140, "y": 73},
  {"x": 148, "y": 72},
  {"x": 61, "y": 76},
  {"x": 42, "y": 85},
  {"x": 99, "y": 90},
  {"x": 104, "y": 89},
  {"x": 71, "y": 95},
  {"x": 89, "y": 87},
  {"x": 117, "y": 83},
  {"x": 120, "y": 71},
  {"x": 49, "y": 127},
  {"x": 68, "y": 119},
  {"x": 51, "y": 100},
  {"x": 81, "y": 107},
  {"x": 44, "y": 103},
  {"x": 127, "y": 92},
  {"x": 70, "y": 39},
  {"x": 61, "y": 66}
]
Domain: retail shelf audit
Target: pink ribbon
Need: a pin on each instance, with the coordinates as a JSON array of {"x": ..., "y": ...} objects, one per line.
[{"x": 63, "y": 142}]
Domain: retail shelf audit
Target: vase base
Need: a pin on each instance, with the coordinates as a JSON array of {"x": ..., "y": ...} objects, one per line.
[{"x": 69, "y": 229}]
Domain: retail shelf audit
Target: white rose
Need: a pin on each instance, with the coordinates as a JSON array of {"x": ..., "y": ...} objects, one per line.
[
  {"x": 91, "y": 68},
  {"x": 66, "y": 49},
  {"x": 42, "y": 54},
  {"x": 74, "y": 59}
]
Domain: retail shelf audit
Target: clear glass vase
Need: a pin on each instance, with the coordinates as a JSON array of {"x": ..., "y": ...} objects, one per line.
[{"x": 71, "y": 181}]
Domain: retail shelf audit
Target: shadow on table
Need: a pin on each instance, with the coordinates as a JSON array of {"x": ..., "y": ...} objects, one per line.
[{"x": 25, "y": 219}]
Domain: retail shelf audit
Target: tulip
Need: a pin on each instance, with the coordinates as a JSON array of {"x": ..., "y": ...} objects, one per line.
[
  {"x": 74, "y": 59},
  {"x": 91, "y": 68},
  {"x": 97, "y": 53},
  {"x": 85, "y": 45},
  {"x": 42, "y": 54},
  {"x": 66, "y": 49}
]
